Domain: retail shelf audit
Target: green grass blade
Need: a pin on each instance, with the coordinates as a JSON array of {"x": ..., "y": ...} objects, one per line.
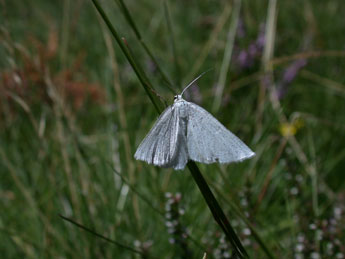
[
  {"x": 101, "y": 236},
  {"x": 255, "y": 234},
  {"x": 253, "y": 231},
  {"x": 160, "y": 102},
  {"x": 217, "y": 211},
  {"x": 224, "y": 71},
  {"x": 173, "y": 44},
  {"x": 139, "y": 72},
  {"x": 133, "y": 189},
  {"x": 132, "y": 24}
]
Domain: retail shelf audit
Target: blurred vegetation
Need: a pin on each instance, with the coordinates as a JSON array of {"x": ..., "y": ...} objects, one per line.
[{"x": 72, "y": 113}]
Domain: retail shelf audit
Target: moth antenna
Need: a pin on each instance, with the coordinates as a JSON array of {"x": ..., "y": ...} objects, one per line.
[{"x": 196, "y": 79}]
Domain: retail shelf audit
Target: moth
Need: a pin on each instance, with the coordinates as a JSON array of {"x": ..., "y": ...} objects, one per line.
[{"x": 185, "y": 131}]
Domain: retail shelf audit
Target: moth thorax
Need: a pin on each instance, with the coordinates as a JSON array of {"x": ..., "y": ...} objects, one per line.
[
  {"x": 182, "y": 109},
  {"x": 177, "y": 97}
]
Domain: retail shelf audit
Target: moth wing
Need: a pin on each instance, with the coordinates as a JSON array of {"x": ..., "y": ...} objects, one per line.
[
  {"x": 162, "y": 144},
  {"x": 208, "y": 141}
]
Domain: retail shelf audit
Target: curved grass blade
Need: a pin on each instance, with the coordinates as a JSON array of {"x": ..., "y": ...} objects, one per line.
[
  {"x": 173, "y": 45},
  {"x": 101, "y": 236},
  {"x": 217, "y": 211},
  {"x": 137, "y": 69},
  {"x": 224, "y": 70},
  {"x": 132, "y": 24}
]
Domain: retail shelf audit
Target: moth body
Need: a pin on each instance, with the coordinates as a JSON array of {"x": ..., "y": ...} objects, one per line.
[{"x": 185, "y": 131}]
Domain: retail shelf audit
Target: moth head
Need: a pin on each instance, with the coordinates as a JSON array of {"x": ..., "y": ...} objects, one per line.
[{"x": 177, "y": 97}]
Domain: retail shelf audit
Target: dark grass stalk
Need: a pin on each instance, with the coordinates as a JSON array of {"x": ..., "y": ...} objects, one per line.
[
  {"x": 123, "y": 246},
  {"x": 217, "y": 211},
  {"x": 160, "y": 101},
  {"x": 132, "y": 24},
  {"x": 173, "y": 44},
  {"x": 138, "y": 71},
  {"x": 211, "y": 201}
]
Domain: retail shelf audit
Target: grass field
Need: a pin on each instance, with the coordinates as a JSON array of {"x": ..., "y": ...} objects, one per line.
[{"x": 73, "y": 110}]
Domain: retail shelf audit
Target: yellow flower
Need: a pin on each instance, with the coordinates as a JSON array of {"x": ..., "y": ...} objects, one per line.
[{"x": 288, "y": 129}]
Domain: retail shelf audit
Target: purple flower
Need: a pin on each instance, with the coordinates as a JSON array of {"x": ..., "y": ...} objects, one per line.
[
  {"x": 241, "y": 29},
  {"x": 244, "y": 58},
  {"x": 261, "y": 39},
  {"x": 253, "y": 50},
  {"x": 292, "y": 70},
  {"x": 289, "y": 75}
]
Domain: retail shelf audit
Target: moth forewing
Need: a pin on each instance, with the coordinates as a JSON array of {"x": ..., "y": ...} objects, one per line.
[
  {"x": 156, "y": 146},
  {"x": 208, "y": 141},
  {"x": 186, "y": 131}
]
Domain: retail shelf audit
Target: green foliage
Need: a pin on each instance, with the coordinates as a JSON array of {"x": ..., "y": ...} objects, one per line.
[{"x": 72, "y": 112}]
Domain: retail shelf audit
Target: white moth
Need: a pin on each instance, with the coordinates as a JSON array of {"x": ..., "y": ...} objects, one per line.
[{"x": 185, "y": 131}]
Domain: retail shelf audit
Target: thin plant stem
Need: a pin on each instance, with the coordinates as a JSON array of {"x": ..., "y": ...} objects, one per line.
[
  {"x": 101, "y": 236},
  {"x": 314, "y": 178},
  {"x": 227, "y": 55},
  {"x": 58, "y": 105},
  {"x": 29, "y": 199},
  {"x": 269, "y": 175},
  {"x": 123, "y": 121},
  {"x": 266, "y": 57},
  {"x": 217, "y": 211},
  {"x": 144, "y": 45},
  {"x": 138, "y": 71},
  {"x": 173, "y": 44},
  {"x": 310, "y": 168},
  {"x": 329, "y": 84},
  {"x": 65, "y": 31},
  {"x": 306, "y": 55},
  {"x": 130, "y": 185},
  {"x": 212, "y": 40}
]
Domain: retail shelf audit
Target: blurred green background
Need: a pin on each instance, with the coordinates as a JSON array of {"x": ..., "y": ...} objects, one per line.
[{"x": 72, "y": 113}]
